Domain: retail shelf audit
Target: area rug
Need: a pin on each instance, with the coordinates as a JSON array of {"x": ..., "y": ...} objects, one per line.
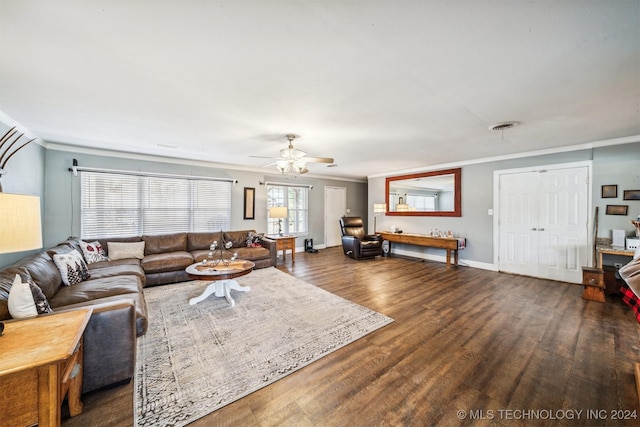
[{"x": 196, "y": 359}]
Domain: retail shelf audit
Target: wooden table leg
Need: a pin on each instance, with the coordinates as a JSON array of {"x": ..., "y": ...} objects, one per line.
[
  {"x": 448, "y": 258},
  {"x": 75, "y": 384}
]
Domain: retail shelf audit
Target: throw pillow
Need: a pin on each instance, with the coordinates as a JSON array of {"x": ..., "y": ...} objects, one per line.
[
  {"x": 93, "y": 252},
  {"x": 253, "y": 239},
  {"x": 27, "y": 300},
  {"x": 72, "y": 267},
  {"x": 124, "y": 250}
]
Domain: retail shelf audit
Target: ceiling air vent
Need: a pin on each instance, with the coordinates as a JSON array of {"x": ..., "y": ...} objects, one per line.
[{"x": 503, "y": 126}]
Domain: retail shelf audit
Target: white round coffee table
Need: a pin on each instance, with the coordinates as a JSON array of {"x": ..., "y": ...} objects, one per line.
[{"x": 222, "y": 277}]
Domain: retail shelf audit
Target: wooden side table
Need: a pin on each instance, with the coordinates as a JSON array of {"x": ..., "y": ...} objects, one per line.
[
  {"x": 593, "y": 281},
  {"x": 283, "y": 243},
  {"x": 41, "y": 363}
]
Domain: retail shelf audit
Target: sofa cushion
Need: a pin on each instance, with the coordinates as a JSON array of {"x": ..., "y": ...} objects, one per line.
[
  {"x": 170, "y": 261},
  {"x": 26, "y": 299},
  {"x": 202, "y": 241},
  {"x": 126, "y": 261},
  {"x": 43, "y": 272},
  {"x": 252, "y": 254},
  {"x": 124, "y": 250},
  {"x": 114, "y": 269},
  {"x": 95, "y": 289},
  {"x": 238, "y": 238},
  {"x": 137, "y": 298},
  {"x": 163, "y": 243}
]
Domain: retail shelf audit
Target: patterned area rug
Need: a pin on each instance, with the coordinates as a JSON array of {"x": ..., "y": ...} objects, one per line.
[{"x": 196, "y": 359}]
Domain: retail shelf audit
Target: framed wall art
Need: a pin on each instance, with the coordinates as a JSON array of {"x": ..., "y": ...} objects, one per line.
[
  {"x": 631, "y": 195},
  {"x": 249, "y": 203},
  {"x": 617, "y": 209},
  {"x": 609, "y": 191}
]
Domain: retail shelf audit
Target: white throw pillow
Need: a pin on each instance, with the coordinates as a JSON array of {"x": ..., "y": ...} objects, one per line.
[
  {"x": 26, "y": 300},
  {"x": 93, "y": 252},
  {"x": 72, "y": 267},
  {"x": 124, "y": 250}
]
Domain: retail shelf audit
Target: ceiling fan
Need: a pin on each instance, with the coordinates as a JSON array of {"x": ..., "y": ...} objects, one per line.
[{"x": 292, "y": 160}]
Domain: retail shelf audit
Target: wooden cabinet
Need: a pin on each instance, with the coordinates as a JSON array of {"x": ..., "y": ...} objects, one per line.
[{"x": 41, "y": 364}]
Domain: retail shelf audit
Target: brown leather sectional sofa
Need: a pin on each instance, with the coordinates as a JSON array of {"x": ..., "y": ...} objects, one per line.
[{"x": 114, "y": 291}]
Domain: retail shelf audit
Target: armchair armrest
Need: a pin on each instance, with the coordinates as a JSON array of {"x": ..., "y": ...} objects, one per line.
[
  {"x": 351, "y": 246},
  {"x": 109, "y": 345},
  {"x": 270, "y": 244}
]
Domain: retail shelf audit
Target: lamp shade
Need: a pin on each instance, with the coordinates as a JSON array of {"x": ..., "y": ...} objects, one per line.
[
  {"x": 278, "y": 212},
  {"x": 20, "y": 225},
  {"x": 379, "y": 207}
]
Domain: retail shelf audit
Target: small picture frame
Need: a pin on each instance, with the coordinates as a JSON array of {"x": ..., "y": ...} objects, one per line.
[
  {"x": 617, "y": 209},
  {"x": 631, "y": 195},
  {"x": 609, "y": 191},
  {"x": 249, "y": 203}
]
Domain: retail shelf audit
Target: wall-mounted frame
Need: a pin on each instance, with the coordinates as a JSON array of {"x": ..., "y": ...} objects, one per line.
[
  {"x": 631, "y": 194},
  {"x": 249, "y": 203},
  {"x": 443, "y": 185},
  {"x": 609, "y": 191},
  {"x": 617, "y": 209}
]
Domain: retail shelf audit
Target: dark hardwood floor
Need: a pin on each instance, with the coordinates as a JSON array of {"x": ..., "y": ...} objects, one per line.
[{"x": 468, "y": 347}]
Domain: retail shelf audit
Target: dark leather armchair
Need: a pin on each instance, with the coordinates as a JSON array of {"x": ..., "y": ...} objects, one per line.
[{"x": 355, "y": 243}]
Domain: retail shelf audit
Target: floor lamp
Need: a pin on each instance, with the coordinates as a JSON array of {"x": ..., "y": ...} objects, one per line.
[
  {"x": 278, "y": 212},
  {"x": 378, "y": 208}
]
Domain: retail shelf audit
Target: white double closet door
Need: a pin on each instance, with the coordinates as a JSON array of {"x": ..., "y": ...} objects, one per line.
[{"x": 543, "y": 222}]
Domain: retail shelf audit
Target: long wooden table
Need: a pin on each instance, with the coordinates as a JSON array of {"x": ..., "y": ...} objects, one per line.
[{"x": 450, "y": 244}]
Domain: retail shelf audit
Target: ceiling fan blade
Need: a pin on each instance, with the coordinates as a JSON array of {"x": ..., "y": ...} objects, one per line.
[
  {"x": 270, "y": 164},
  {"x": 319, "y": 159},
  {"x": 265, "y": 157}
]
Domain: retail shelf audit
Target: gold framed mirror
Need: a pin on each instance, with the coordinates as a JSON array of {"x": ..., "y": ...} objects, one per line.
[{"x": 434, "y": 193}]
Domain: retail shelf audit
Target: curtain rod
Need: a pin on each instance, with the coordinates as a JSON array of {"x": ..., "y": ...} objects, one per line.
[{"x": 75, "y": 169}]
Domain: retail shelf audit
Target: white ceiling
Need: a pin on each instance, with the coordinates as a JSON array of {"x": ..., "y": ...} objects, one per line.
[{"x": 380, "y": 86}]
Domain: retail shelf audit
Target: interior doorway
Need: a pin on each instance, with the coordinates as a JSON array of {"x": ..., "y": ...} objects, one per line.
[
  {"x": 335, "y": 206},
  {"x": 542, "y": 222}
]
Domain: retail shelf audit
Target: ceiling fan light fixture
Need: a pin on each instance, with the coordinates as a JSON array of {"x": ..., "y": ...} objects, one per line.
[{"x": 283, "y": 166}]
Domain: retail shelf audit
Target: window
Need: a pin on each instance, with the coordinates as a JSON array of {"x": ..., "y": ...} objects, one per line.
[
  {"x": 116, "y": 204},
  {"x": 296, "y": 200},
  {"x": 422, "y": 202}
]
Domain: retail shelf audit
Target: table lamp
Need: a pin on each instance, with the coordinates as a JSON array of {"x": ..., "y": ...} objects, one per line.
[
  {"x": 20, "y": 225},
  {"x": 378, "y": 208},
  {"x": 278, "y": 212}
]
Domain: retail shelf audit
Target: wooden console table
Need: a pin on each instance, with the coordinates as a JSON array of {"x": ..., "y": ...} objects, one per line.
[
  {"x": 41, "y": 362},
  {"x": 448, "y": 243}
]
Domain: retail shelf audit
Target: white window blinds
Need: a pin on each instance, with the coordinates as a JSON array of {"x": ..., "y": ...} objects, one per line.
[{"x": 133, "y": 205}]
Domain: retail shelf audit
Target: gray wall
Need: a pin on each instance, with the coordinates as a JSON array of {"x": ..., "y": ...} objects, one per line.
[
  {"x": 62, "y": 205},
  {"x": 24, "y": 175},
  {"x": 618, "y": 164}
]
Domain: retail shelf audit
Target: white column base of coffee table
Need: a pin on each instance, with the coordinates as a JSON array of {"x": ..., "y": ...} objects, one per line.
[{"x": 220, "y": 288}]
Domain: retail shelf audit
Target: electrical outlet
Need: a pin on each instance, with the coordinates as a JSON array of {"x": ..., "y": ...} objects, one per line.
[{"x": 617, "y": 265}]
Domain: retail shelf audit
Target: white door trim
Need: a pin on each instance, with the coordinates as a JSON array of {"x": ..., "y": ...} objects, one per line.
[{"x": 496, "y": 200}]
